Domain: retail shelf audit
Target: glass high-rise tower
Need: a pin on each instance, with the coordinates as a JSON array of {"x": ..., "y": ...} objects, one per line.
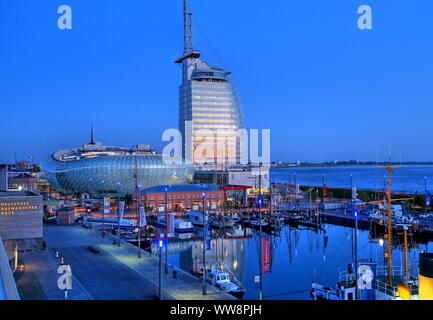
[{"x": 210, "y": 113}]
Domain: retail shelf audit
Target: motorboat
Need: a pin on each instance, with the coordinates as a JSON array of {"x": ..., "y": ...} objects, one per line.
[{"x": 180, "y": 225}]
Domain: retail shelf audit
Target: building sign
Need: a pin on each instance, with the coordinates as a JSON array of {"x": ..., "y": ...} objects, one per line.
[
  {"x": 20, "y": 216},
  {"x": 11, "y": 208}
]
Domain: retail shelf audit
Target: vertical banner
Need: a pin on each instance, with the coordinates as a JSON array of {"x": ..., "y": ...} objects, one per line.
[
  {"x": 106, "y": 204},
  {"x": 354, "y": 193},
  {"x": 325, "y": 191},
  {"x": 170, "y": 223},
  {"x": 297, "y": 189},
  {"x": 267, "y": 255},
  {"x": 121, "y": 209},
  {"x": 143, "y": 221},
  {"x": 208, "y": 237}
]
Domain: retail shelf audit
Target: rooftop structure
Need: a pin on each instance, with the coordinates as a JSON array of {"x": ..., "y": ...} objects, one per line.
[
  {"x": 182, "y": 188},
  {"x": 183, "y": 197}
]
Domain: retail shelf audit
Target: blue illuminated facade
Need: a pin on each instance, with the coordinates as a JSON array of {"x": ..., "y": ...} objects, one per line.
[{"x": 99, "y": 171}]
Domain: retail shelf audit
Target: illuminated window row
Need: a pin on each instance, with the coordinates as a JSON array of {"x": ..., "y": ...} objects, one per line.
[
  {"x": 213, "y": 142},
  {"x": 228, "y": 140},
  {"x": 216, "y": 126},
  {"x": 228, "y": 97},
  {"x": 203, "y": 132},
  {"x": 211, "y": 113},
  {"x": 214, "y": 109},
  {"x": 212, "y": 121},
  {"x": 203, "y": 103}
]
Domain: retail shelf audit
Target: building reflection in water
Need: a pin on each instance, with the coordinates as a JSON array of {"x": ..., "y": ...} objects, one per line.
[{"x": 228, "y": 248}]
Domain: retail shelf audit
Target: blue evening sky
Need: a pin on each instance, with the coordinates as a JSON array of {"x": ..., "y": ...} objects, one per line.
[{"x": 327, "y": 90}]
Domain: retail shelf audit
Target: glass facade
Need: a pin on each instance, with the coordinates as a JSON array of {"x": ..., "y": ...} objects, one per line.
[
  {"x": 113, "y": 175},
  {"x": 209, "y": 105}
]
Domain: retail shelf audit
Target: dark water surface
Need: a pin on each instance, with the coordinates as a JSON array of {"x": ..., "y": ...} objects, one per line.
[
  {"x": 405, "y": 179},
  {"x": 298, "y": 254}
]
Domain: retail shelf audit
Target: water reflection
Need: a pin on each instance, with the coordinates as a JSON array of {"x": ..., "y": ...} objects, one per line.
[{"x": 298, "y": 255}]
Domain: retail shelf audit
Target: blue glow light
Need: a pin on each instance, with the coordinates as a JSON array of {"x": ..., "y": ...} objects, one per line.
[{"x": 161, "y": 243}]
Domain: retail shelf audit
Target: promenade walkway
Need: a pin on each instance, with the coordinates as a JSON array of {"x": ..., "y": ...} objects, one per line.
[{"x": 116, "y": 272}]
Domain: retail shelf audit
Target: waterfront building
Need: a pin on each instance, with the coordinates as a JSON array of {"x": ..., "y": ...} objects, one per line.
[
  {"x": 96, "y": 170},
  {"x": 3, "y": 177},
  {"x": 210, "y": 113},
  {"x": 23, "y": 181},
  {"x": 21, "y": 214},
  {"x": 183, "y": 197}
]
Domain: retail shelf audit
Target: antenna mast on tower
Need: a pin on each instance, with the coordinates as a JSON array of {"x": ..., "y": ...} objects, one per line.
[
  {"x": 187, "y": 29},
  {"x": 188, "y": 51}
]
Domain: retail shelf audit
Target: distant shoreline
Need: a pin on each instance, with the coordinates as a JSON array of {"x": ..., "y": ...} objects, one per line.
[{"x": 366, "y": 164}]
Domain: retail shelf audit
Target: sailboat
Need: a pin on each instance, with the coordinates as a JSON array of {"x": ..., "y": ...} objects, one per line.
[{"x": 370, "y": 281}]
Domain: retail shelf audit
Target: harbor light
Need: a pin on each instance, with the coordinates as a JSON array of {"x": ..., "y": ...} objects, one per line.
[{"x": 381, "y": 242}]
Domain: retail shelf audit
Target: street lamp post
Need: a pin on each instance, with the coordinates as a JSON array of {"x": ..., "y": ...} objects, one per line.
[
  {"x": 425, "y": 192},
  {"x": 139, "y": 218},
  {"x": 204, "y": 244},
  {"x": 356, "y": 255},
  {"x": 160, "y": 267},
  {"x": 260, "y": 232},
  {"x": 103, "y": 215},
  {"x": 323, "y": 188},
  {"x": 91, "y": 208},
  {"x": 166, "y": 230},
  {"x": 118, "y": 212}
]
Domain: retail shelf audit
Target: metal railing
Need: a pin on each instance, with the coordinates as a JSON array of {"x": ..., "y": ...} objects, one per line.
[
  {"x": 8, "y": 288},
  {"x": 381, "y": 280}
]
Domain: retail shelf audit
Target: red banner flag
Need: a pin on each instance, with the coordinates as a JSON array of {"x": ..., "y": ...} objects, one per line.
[
  {"x": 325, "y": 191},
  {"x": 266, "y": 255}
]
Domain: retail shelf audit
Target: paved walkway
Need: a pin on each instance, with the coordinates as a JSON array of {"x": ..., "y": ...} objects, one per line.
[
  {"x": 38, "y": 281},
  {"x": 109, "y": 268}
]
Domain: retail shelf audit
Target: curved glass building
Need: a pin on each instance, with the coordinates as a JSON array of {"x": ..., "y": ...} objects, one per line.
[{"x": 98, "y": 170}]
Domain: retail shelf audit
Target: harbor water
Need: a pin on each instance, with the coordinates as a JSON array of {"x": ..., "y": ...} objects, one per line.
[
  {"x": 410, "y": 178},
  {"x": 298, "y": 255}
]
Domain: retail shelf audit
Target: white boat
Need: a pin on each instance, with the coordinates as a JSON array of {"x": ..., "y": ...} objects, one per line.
[
  {"x": 113, "y": 222},
  {"x": 221, "y": 280},
  {"x": 195, "y": 217},
  {"x": 180, "y": 225},
  {"x": 257, "y": 223},
  {"x": 220, "y": 222}
]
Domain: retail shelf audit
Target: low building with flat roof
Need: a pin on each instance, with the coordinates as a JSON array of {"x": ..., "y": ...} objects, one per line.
[
  {"x": 21, "y": 214},
  {"x": 183, "y": 197},
  {"x": 3, "y": 177}
]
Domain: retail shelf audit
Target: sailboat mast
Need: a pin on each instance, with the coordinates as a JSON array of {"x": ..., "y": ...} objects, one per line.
[
  {"x": 389, "y": 229},
  {"x": 406, "y": 255}
]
